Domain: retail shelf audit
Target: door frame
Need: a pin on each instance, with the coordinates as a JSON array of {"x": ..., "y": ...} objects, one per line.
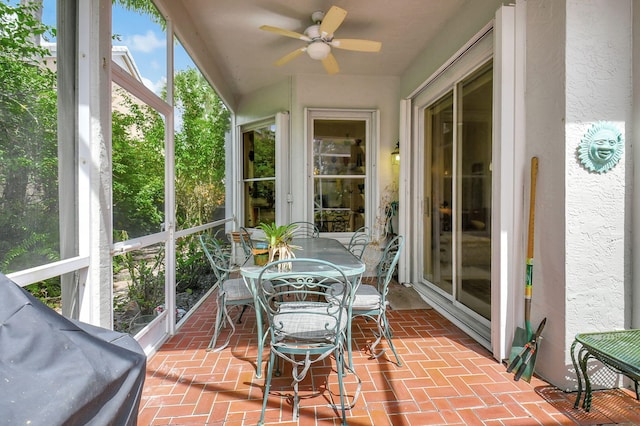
[{"x": 508, "y": 155}]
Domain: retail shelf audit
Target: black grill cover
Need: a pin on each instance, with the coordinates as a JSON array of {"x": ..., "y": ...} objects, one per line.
[{"x": 55, "y": 371}]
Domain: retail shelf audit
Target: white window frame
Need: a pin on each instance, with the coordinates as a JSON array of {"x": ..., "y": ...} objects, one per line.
[
  {"x": 242, "y": 129},
  {"x": 283, "y": 191},
  {"x": 371, "y": 117}
]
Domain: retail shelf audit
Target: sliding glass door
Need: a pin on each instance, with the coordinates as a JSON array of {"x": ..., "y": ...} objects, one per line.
[{"x": 457, "y": 192}]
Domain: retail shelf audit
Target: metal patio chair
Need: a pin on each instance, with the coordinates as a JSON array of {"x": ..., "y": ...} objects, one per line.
[
  {"x": 231, "y": 291},
  {"x": 305, "y": 230},
  {"x": 246, "y": 243},
  {"x": 359, "y": 242},
  {"x": 371, "y": 301},
  {"x": 305, "y": 326}
]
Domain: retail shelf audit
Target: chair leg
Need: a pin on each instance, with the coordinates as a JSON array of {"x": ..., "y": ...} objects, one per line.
[
  {"x": 343, "y": 368},
  {"x": 379, "y": 334},
  {"x": 218, "y": 325},
  {"x": 349, "y": 347},
  {"x": 340, "y": 369},
  {"x": 221, "y": 315},
  {"x": 244, "y": 308},
  {"x": 267, "y": 386},
  {"x": 384, "y": 330},
  {"x": 387, "y": 334}
]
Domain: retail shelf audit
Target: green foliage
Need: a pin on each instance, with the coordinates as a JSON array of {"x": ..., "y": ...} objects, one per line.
[
  {"x": 277, "y": 235},
  {"x": 146, "y": 285},
  {"x": 47, "y": 291},
  {"x": 144, "y": 7},
  {"x": 138, "y": 158},
  {"x": 138, "y": 167},
  {"x": 264, "y": 147},
  {"x": 20, "y": 28},
  {"x": 191, "y": 264},
  {"x": 29, "y": 165},
  {"x": 33, "y": 246},
  {"x": 28, "y": 146},
  {"x": 199, "y": 149}
]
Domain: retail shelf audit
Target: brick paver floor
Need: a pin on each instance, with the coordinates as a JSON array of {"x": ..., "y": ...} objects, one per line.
[{"x": 446, "y": 379}]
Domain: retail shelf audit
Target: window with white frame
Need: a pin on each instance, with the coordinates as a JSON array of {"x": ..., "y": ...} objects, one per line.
[
  {"x": 341, "y": 147},
  {"x": 259, "y": 174}
]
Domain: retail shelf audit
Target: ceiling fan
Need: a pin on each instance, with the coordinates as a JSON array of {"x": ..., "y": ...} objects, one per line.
[{"x": 319, "y": 38}]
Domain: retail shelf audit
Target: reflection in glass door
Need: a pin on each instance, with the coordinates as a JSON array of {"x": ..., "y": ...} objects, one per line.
[
  {"x": 457, "y": 220},
  {"x": 259, "y": 175},
  {"x": 438, "y": 256}
]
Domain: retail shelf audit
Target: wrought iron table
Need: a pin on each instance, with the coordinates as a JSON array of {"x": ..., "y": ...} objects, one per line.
[
  {"x": 328, "y": 249},
  {"x": 618, "y": 350}
]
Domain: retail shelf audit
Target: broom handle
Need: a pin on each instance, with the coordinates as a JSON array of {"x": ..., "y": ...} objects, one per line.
[{"x": 528, "y": 289}]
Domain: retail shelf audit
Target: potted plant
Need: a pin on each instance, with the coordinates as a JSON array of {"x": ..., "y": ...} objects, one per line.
[
  {"x": 278, "y": 238},
  {"x": 260, "y": 253}
]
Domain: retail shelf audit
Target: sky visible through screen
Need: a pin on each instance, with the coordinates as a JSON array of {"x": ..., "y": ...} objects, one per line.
[{"x": 144, "y": 39}]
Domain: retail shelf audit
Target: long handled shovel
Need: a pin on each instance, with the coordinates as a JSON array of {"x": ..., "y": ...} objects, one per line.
[{"x": 523, "y": 336}]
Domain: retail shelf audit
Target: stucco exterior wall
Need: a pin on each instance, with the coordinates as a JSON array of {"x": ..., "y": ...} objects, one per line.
[
  {"x": 599, "y": 87},
  {"x": 635, "y": 129},
  {"x": 578, "y": 73},
  {"x": 545, "y": 138}
]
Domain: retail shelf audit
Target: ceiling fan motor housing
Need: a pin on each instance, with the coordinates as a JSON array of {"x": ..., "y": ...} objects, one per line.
[
  {"x": 317, "y": 16},
  {"x": 313, "y": 32}
]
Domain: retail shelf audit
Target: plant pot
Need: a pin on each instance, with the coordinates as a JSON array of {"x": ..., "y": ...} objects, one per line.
[
  {"x": 235, "y": 236},
  {"x": 260, "y": 256}
]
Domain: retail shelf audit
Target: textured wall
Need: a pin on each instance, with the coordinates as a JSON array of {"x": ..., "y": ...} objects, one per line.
[
  {"x": 545, "y": 138},
  {"x": 599, "y": 87},
  {"x": 578, "y": 73}
]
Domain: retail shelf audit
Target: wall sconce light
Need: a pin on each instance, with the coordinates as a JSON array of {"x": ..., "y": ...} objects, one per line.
[{"x": 395, "y": 155}]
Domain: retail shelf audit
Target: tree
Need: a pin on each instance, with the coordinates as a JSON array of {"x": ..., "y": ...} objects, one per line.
[
  {"x": 28, "y": 149},
  {"x": 138, "y": 168},
  {"x": 200, "y": 149}
]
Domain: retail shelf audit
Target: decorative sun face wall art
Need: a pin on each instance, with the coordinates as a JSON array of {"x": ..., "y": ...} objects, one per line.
[{"x": 601, "y": 147}]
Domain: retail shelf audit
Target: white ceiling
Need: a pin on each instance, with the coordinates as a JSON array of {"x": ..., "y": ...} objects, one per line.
[{"x": 227, "y": 32}]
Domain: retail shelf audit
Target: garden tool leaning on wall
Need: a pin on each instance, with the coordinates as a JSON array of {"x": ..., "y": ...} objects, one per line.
[{"x": 525, "y": 343}]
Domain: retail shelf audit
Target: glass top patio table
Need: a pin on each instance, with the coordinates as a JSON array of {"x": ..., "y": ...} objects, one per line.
[{"x": 327, "y": 249}]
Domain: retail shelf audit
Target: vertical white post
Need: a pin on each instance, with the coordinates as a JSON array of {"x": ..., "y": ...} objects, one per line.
[
  {"x": 170, "y": 192},
  {"x": 94, "y": 133},
  {"x": 635, "y": 131}
]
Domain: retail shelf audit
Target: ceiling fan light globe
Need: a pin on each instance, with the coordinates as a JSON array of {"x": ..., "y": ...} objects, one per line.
[{"x": 318, "y": 50}]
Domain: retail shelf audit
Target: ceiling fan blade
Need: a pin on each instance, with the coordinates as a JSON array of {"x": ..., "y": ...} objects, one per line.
[
  {"x": 290, "y": 56},
  {"x": 284, "y": 32},
  {"x": 330, "y": 64},
  {"x": 332, "y": 20},
  {"x": 357, "y": 45}
]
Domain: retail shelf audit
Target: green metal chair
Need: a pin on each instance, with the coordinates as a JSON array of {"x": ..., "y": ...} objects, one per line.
[
  {"x": 305, "y": 326},
  {"x": 359, "y": 241},
  {"x": 247, "y": 244},
  {"x": 371, "y": 301},
  {"x": 232, "y": 292},
  {"x": 305, "y": 230}
]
